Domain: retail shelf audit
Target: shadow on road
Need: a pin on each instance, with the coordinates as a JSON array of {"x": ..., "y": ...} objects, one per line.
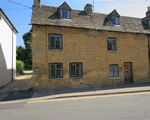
[
  {"x": 19, "y": 95},
  {"x": 37, "y": 94}
]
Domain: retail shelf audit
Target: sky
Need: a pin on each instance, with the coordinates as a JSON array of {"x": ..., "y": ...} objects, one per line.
[{"x": 20, "y": 14}]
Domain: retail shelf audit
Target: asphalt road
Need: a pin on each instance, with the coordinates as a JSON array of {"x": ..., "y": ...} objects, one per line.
[{"x": 126, "y": 107}]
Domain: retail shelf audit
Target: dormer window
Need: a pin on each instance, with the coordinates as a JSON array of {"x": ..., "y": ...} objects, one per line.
[
  {"x": 112, "y": 19},
  {"x": 64, "y": 14},
  {"x": 65, "y": 11},
  {"x": 115, "y": 20}
]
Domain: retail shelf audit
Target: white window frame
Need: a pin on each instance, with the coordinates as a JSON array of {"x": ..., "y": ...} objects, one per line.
[
  {"x": 113, "y": 66},
  {"x": 55, "y": 64},
  {"x": 67, "y": 16},
  {"x": 55, "y": 41},
  {"x": 114, "y": 46},
  {"x": 116, "y": 20}
]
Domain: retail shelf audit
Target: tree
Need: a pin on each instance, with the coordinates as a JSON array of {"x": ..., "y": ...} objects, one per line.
[
  {"x": 28, "y": 54},
  {"x": 24, "y": 54},
  {"x": 27, "y": 40}
]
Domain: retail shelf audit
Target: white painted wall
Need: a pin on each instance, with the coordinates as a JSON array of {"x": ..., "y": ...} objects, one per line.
[{"x": 6, "y": 36}]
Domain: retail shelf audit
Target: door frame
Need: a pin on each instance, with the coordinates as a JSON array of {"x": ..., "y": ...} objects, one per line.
[{"x": 131, "y": 71}]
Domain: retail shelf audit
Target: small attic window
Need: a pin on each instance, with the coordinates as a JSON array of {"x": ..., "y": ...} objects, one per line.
[
  {"x": 115, "y": 20},
  {"x": 65, "y": 14}
]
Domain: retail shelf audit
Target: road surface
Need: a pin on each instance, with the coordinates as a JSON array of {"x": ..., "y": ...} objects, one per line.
[{"x": 121, "y": 107}]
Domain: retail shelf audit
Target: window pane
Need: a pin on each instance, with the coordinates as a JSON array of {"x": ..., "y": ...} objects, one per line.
[
  {"x": 78, "y": 72},
  {"x": 52, "y": 70},
  {"x": 72, "y": 69},
  {"x": 68, "y": 14},
  {"x": 58, "y": 37},
  {"x": 113, "y": 19},
  {"x": 59, "y": 66},
  {"x": 78, "y": 65},
  {"x": 114, "y": 44},
  {"x": 64, "y": 14},
  {"x": 116, "y": 20},
  {"x": 116, "y": 72},
  {"x": 58, "y": 73},
  {"x": 57, "y": 44},
  {"x": 109, "y": 42},
  {"x": 52, "y": 41},
  {"x": 111, "y": 71}
]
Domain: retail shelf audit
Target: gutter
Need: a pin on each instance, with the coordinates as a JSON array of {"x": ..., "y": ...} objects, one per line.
[{"x": 97, "y": 29}]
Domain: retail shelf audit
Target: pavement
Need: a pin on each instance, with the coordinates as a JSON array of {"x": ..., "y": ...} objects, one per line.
[
  {"x": 21, "y": 83},
  {"x": 30, "y": 95}
]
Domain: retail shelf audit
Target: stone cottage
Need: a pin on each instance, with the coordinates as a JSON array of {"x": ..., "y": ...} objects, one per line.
[{"x": 79, "y": 48}]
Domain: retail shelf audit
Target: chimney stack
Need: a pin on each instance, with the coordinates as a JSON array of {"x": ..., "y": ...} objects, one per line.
[
  {"x": 88, "y": 9},
  {"x": 148, "y": 12},
  {"x": 36, "y": 3}
]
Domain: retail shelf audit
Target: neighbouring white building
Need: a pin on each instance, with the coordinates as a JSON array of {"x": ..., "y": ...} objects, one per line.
[{"x": 7, "y": 50}]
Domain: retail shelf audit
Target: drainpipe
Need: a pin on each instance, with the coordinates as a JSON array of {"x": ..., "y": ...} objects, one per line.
[
  {"x": 12, "y": 56},
  {"x": 148, "y": 44}
]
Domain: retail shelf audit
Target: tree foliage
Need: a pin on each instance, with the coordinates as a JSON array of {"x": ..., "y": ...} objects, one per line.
[{"x": 24, "y": 54}]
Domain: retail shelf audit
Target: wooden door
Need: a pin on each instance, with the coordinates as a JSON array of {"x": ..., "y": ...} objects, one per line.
[{"x": 128, "y": 72}]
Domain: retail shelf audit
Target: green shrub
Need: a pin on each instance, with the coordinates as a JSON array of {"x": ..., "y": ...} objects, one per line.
[{"x": 19, "y": 67}]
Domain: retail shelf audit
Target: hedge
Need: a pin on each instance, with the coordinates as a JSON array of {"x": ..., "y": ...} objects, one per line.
[{"x": 19, "y": 66}]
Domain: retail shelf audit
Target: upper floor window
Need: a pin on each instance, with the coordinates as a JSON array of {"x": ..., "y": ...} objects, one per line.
[
  {"x": 64, "y": 14},
  {"x": 55, "y": 42},
  {"x": 111, "y": 44},
  {"x": 115, "y": 20}
]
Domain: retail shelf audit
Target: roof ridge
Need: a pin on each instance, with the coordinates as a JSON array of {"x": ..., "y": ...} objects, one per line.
[
  {"x": 72, "y": 9},
  {"x": 92, "y": 12}
]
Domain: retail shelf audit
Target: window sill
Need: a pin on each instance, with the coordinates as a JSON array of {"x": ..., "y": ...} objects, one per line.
[
  {"x": 55, "y": 49},
  {"x": 76, "y": 77},
  {"x": 65, "y": 18},
  {"x": 55, "y": 78},
  {"x": 114, "y": 77},
  {"x": 115, "y": 25},
  {"x": 111, "y": 50}
]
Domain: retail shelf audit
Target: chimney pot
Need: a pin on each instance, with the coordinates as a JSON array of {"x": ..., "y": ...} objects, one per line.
[{"x": 88, "y": 8}]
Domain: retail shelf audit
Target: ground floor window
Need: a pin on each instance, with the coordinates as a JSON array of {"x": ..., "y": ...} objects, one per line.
[
  {"x": 56, "y": 70},
  {"x": 76, "y": 70},
  {"x": 113, "y": 71}
]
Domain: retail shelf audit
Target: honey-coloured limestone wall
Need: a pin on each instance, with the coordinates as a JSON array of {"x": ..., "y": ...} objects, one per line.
[{"x": 90, "y": 48}]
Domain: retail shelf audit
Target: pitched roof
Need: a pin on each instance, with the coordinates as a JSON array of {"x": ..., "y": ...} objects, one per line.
[
  {"x": 114, "y": 12},
  {"x": 48, "y": 15},
  {"x": 1, "y": 11},
  {"x": 65, "y": 6}
]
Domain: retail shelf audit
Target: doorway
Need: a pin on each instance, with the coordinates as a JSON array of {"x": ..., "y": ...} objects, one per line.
[{"x": 128, "y": 72}]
